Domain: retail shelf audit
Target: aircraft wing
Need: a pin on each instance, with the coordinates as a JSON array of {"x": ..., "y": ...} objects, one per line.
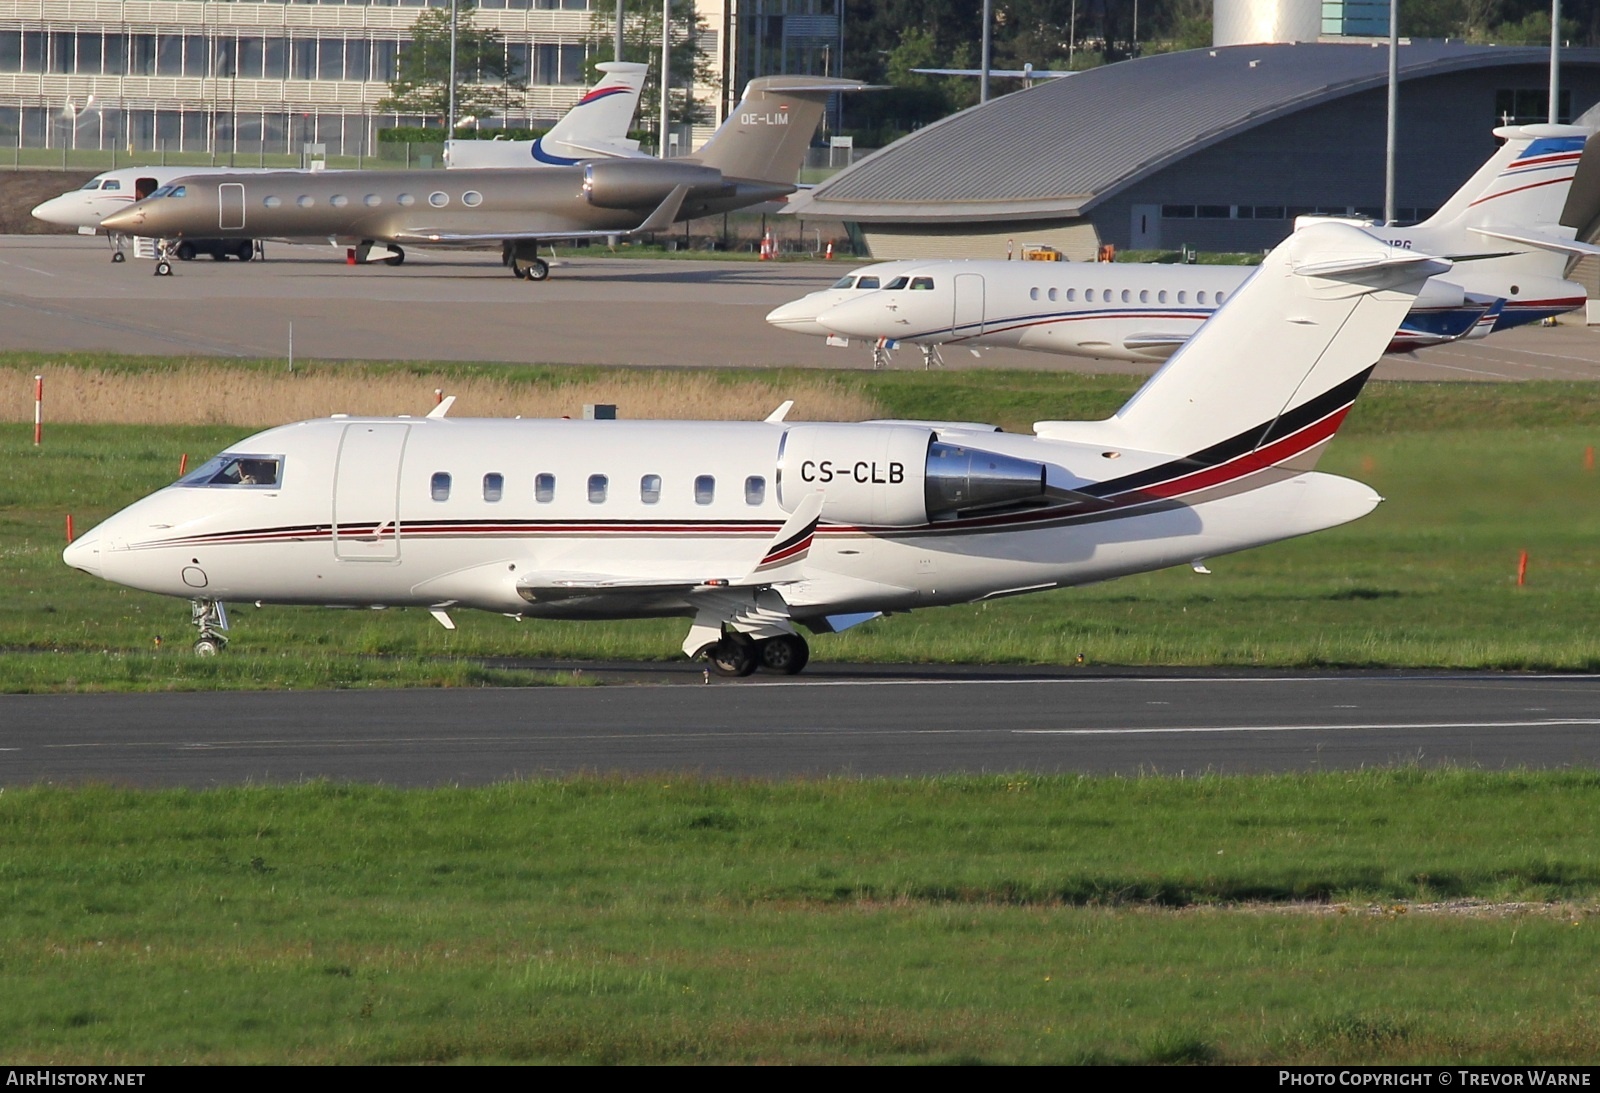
[
  {"x": 780, "y": 561},
  {"x": 1543, "y": 242},
  {"x": 659, "y": 220}
]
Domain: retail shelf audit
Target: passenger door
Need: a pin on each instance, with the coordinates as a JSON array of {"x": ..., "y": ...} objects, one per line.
[
  {"x": 366, "y": 492},
  {"x": 966, "y": 318},
  {"x": 230, "y": 206}
]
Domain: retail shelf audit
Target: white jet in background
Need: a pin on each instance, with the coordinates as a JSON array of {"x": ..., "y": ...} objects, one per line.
[
  {"x": 753, "y": 529},
  {"x": 1513, "y": 226}
]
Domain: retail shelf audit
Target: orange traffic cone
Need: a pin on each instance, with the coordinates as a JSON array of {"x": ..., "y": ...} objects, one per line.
[{"x": 828, "y": 254}]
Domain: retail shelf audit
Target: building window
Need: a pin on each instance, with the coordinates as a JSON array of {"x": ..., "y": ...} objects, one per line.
[
  {"x": 439, "y": 488},
  {"x": 1177, "y": 212},
  {"x": 1531, "y": 105},
  {"x": 544, "y": 488},
  {"x": 493, "y": 486},
  {"x": 1213, "y": 212}
]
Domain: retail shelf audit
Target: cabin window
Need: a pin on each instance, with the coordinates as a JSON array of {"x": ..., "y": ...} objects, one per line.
[
  {"x": 1161, "y": 297},
  {"x": 272, "y": 202},
  {"x": 407, "y": 200},
  {"x": 544, "y": 488},
  {"x": 494, "y": 486},
  {"x": 338, "y": 201},
  {"x": 867, "y": 282},
  {"x": 898, "y": 282},
  {"x": 1126, "y": 296},
  {"x": 705, "y": 489},
  {"x": 1053, "y": 295},
  {"x": 1088, "y": 294},
  {"x": 439, "y": 488},
  {"x": 755, "y": 490},
  {"x": 1033, "y": 294},
  {"x": 372, "y": 201},
  {"x": 305, "y": 201},
  {"x": 921, "y": 283},
  {"x": 236, "y": 470},
  {"x": 1144, "y": 296},
  {"x": 1183, "y": 297},
  {"x": 598, "y": 483},
  {"x": 438, "y": 199},
  {"x": 1072, "y": 295},
  {"x": 1200, "y": 297},
  {"x": 1221, "y": 296},
  {"x": 472, "y": 199},
  {"x": 650, "y": 489},
  {"x": 847, "y": 281}
]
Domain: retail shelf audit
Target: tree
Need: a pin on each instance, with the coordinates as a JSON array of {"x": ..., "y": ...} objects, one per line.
[
  {"x": 641, "y": 43},
  {"x": 486, "y": 83}
]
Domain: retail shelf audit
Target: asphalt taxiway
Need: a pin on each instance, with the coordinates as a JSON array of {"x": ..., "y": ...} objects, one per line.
[
  {"x": 885, "y": 721},
  {"x": 63, "y": 294}
]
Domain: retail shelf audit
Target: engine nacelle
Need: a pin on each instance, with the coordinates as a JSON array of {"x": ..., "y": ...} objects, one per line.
[
  {"x": 898, "y": 475},
  {"x": 1439, "y": 293},
  {"x": 632, "y": 183}
]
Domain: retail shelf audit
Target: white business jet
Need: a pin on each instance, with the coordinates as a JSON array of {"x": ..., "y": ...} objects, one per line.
[
  {"x": 1513, "y": 225},
  {"x": 595, "y": 128},
  {"x": 753, "y": 529}
]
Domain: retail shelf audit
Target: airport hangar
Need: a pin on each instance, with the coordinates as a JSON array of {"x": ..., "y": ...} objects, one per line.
[{"x": 1216, "y": 148}]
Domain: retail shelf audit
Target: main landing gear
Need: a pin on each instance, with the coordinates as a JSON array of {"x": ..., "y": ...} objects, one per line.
[
  {"x": 524, "y": 261},
  {"x": 211, "y": 618},
  {"x": 737, "y": 655}
]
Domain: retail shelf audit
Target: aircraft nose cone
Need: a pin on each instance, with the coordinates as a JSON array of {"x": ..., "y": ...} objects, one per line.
[
  {"x": 128, "y": 220},
  {"x": 84, "y": 553},
  {"x": 799, "y": 316},
  {"x": 858, "y": 318},
  {"x": 51, "y": 212}
]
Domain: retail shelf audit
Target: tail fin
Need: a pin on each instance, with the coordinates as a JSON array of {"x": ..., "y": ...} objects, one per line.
[
  {"x": 1275, "y": 369},
  {"x": 1526, "y": 184},
  {"x": 766, "y": 137},
  {"x": 600, "y": 119}
]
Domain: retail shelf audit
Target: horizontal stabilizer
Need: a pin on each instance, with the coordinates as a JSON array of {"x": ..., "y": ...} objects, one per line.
[
  {"x": 1541, "y": 242},
  {"x": 1338, "y": 266}
]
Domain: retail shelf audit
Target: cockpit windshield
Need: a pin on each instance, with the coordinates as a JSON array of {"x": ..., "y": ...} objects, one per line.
[
  {"x": 921, "y": 283},
  {"x": 233, "y": 469},
  {"x": 92, "y": 184},
  {"x": 848, "y": 281},
  {"x": 867, "y": 282},
  {"x": 898, "y": 282},
  {"x": 170, "y": 191}
]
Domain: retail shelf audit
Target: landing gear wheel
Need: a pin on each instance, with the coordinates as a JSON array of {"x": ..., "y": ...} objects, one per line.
[
  {"x": 786, "y": 654},
  {"x": 245, "y": 251},
  {"x": 530, "y": 269},
  {"x": 208, "y": 646},
  {"x": 185, "y": 252},
  {"x": 396, "y": 258},
  {"x": 163, "y": 268},
  {"x": 119, "y": 257},
  {"x": 732, "y": 657}
]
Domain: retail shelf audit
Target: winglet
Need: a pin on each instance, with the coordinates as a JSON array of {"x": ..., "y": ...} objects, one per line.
[
  {"x": 443, "y": 407},
  {"x": 780, "y": 413},
  {"x": 665, "y": 213},
  {"x": 790, "y": 546}
]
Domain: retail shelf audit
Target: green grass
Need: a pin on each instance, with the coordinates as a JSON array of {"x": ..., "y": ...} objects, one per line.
[
  {"x": 977, "y": 919},
  {"x": 1473, "y": 474}
]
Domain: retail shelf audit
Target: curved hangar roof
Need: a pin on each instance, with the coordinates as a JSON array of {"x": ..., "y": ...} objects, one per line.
[{"x": 1058, "y": 148}]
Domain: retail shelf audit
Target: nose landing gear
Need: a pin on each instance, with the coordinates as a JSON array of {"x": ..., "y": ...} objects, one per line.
[{"x": 211, "y": 618}]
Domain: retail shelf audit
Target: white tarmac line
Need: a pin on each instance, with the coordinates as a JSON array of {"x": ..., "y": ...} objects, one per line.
[{"x": 1550, "y": 723}]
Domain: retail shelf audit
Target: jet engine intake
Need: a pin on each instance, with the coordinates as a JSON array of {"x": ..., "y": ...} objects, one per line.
[
  {"x": 632, "y": 184},
  {"x": 873, "y": 475}
]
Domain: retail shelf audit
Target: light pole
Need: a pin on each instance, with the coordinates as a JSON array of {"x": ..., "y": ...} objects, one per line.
[
  {"x": 983, "y": 78},
  {"x": 666, "y": 72},
  {"x": 1555, "y": 61},
  {"x": 450, "y": 121},
  {"x": 1394, "y": 105}
]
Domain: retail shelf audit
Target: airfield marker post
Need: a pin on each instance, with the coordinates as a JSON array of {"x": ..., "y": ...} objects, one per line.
[
  {"x": 183, "y": 464},
  {"x": 38, "y": 410},
  {"x": 1588, "y": 458},
  {"x": 69, "y": 529},
  {"x": 1522, "y": 569}
]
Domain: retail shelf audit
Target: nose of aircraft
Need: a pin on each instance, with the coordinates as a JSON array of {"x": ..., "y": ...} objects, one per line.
[
  {"x": 127, "y": 220},
  {"x": 84, "y": 553},
  {"x": 800, "y": 315},
  {"x": 871, "y": 316},
  {"x": 54, "y": 211}
]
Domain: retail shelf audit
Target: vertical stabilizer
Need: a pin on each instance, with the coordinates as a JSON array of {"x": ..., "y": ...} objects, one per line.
[
  {"x": 766, "y": 137},
  {"x": 1525, "y": 184},
  {"x": 1278, "y": 365},
  {"x": 600, "y": 119}
]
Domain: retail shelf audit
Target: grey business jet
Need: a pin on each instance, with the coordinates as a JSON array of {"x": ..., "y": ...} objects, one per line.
[{"x": 755, "y": 156}]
